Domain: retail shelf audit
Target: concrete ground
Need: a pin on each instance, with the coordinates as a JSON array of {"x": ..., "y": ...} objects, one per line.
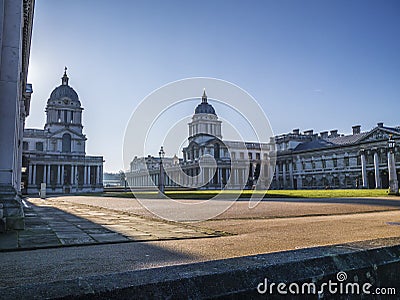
[{"x": 274, "y": 225}]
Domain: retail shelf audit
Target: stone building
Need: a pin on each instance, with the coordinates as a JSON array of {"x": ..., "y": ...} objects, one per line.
[
  {"x": 304, "y": 160},
  {"x": 225, "y": 164},
  {"x": 330, "y": 160},
  {"x": 16, "y": 18},
  {"x": 56, "y": 154}
]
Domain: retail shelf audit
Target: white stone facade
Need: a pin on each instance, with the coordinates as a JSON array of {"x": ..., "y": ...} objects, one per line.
[
  {"x": 304, "y": 160},
  {"x": 56, "y": 154},
  {"x": 16, "y": 18}
]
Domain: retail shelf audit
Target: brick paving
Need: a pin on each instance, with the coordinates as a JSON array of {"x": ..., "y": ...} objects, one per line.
[{"x": 53, "y": 223}]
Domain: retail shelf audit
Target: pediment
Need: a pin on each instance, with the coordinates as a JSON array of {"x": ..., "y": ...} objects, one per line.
[
  {"x": 59, "y": 133},
  {"x": 380, "y": 134}
]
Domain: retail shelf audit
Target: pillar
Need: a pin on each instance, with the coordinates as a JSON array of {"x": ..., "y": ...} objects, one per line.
[
  {"x": 84, "y": 175},
  {"x": 284, "y": 175},
  {"x": 62, "y": 175},
  {"x": 291, "y": 174},
  {"x": 364, "y": 170},
  {"x": 34, "y": 174},
  {"x": 277, "y": 175},
  {"x": 48, "y": 174},
  {"x": 59, "y": 175},
  {"x": 376, "y": 167},
  {"x": 393, "y": 183}
]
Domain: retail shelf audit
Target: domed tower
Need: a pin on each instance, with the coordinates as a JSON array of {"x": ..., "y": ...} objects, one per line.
[
  {"x": 205, "y": 120},
  {"x": 64, "y": 119}
]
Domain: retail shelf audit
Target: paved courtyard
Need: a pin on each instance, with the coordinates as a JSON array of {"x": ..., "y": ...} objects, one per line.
[
  {"x": 57, "y": 222},
  {"x": 118, "y": 234}
]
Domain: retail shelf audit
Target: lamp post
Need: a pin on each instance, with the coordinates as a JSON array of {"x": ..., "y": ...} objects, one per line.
[
  {"x": 161, "y": 155},
  {"x": 393, "y": 183}
]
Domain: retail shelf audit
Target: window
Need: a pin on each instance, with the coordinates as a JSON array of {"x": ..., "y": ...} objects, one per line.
[
  {"x": 25, "y": 146},
  {"x": 59, "y": 116},
  {"x": 346, "y": 161},
  {"x": 250, "y": 155},
  {"x": 323, "y": 161},
  {"x": 72, "y": 116},
  {"x": 216, "y": 151},
  {"x": 233, "y": 155},
  {"x": 241, "y": 155},
  {"x": 258, "y": 156},
  {"x": 312, "y": 164},
  {"x": 66, "y": 142},
  {"x": 65, "y": 116},
  {"x": 334, "y": 160},
  {"x": 39, "y": 146}
]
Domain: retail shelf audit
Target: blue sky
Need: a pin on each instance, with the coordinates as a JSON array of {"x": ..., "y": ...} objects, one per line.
[{"x": 318, "y": 65}]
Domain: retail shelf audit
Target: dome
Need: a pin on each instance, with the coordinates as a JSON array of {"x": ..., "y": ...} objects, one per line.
[
  {"x": 204, "y": 107},
  {"x": 64, "y": 90}
]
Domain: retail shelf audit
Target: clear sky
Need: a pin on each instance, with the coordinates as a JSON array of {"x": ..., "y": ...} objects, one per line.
[{"x": 318, "y": 65}]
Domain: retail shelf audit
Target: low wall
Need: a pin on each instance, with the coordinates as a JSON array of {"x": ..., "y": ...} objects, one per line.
[{"x": 368, "y": 265}]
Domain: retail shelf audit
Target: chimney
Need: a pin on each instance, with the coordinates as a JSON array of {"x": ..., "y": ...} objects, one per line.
[
  {"x": 324, "y": 134},
  {"x": 309, "y": 132},
  {"x": 296, "y": 131},
  {"x": 380, "y": 124},
  {"x": 334, "y": 133},
  {"x": 356, "y": 129}
]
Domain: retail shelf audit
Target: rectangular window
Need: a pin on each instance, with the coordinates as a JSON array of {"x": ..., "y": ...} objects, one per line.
[
  {"x": 250, "y": 155},
  {"x": 25, "y": 146},
  {"x": 39, "y": 146},
  {"x": 258, "y": 156},
  {"x": 346, "y": 161},
  {"x": 241, "y": 155},
  {"x": 65, "y": 116},
  {"x": 323, "y": 163},
  {"x": 334, "y": 162}
]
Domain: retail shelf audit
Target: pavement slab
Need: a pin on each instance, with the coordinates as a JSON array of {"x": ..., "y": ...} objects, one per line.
[{"x": 55, "y": 223}]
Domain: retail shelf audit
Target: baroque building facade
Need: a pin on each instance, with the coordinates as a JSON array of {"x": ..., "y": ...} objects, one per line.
[
  {"x": 56, "y": 154},
  {"x": 297, "y": 160},
  {"x": 331, "y": 160},
  {"x": 208, "y": 162}
]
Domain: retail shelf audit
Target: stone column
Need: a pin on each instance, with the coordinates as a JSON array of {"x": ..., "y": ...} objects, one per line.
[
  {"x": 12, "y": 87},
  {"x": 59, "y": 174},
  {"x": 48, "y": 174},
  {"x": 88, "y": 175},
  {"x": 30, "y": 170},
  {"x": 393, "y": 183},
  {"x": 34, "y": 174},
  {"x": 284, "y": 175},
  {"x": 376, "y": 167},
  {"x": 44, "y": 174},
  {"x": 291, "y": 175},
  {"x": 364, "y": 170},
  {"x": 62, "y": 175},
  {"x": 277, "y": 176},
  {"x": 84, "y": 175}
]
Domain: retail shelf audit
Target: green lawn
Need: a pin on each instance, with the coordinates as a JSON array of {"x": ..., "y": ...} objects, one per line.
[{"x": 269, "y": 194}]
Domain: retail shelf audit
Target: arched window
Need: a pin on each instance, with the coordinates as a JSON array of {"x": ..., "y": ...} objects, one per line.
[{"x": 66, "y": 142}]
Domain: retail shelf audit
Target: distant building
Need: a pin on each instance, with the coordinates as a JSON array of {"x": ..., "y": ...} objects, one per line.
[
  {"x": 56, "y": 154},
  {"x": 330, "y": 160},
  {"x": 238, "y": 164},
  {"x": 16, "y": 19},
  {"x": 304, "y": 160}
]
